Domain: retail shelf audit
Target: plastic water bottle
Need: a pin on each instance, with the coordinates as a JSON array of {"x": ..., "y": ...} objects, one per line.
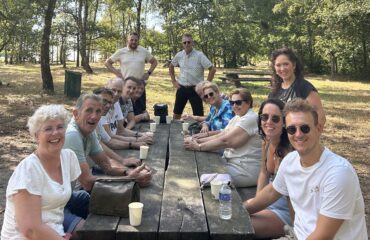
[{"x": 225, "y": 202}]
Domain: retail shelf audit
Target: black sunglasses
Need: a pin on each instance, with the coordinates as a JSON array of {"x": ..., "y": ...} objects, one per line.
[
  {"x": 275, "y": 118},
  {"x": 186, "y": 42},
  {"x": 293, "y": 129},
  {"x": 209, "y": 95},
  {"x": 237, "y": 102}
]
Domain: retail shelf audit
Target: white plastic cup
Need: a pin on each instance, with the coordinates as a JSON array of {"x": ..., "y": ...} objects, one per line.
[
  {"x": 157, "y": 119},
  {"x": 153, "y": 126},
  {"x": 144, "y": 152},
  {"x": 215, "y": 188},
  {"x": 169, "y": 119},
  {"x": 185, "y": 126},
  {"x": 135, "y": 212}
]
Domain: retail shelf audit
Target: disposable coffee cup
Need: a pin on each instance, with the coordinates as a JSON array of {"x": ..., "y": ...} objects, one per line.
[
  {"x": 185, "y": 126},
  {"x": 169, "y": 119},
  {"x": 157, "y": 119},
  {"x": 215, "y": 188},
  {"x": 144, "y": 152},
  {"x": 153, "y": 126},
  {"x": 135, "y": 212}
]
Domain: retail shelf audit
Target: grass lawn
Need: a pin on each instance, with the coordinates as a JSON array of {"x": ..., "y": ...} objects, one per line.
[{"x": 346, "y": 104}]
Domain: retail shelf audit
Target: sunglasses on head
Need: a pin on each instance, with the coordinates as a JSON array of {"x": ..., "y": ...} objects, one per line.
[
  {"x": 293, "y": 129},
  {"x": 237, "y": 102},
  {"x": 275, "y": 118},
  {"x": 186, "y": 42},
  {"x": 209, "y": 95}
]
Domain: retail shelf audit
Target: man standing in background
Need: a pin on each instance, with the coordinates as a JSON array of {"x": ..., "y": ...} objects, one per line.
[
  {"x": 132, "y": 61},
  {"x": 192, "y": 64}
]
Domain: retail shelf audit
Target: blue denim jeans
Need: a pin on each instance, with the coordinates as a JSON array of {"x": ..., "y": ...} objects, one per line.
[{"x": 76, "y": 209}]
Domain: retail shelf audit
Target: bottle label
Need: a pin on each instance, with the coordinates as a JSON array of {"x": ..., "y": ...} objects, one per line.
[{"x": 225, "y": 197}]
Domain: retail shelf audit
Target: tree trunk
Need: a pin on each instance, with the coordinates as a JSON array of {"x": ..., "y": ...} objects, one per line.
[
  {"x": 6, "y": 56},
  {"x": 47, "y": 78},
  {"x": 138, "y": 16},
  {"x": 52, "y": 54},
  {"x": 82, "y": 25},
  {"x": 333, "y": 69},
  {"x": 57, "y": 58},
  {"x": 364, "y": 55},
  {"x": 61, "y": 55},
  {"x": 90, "y": 51},
  {"x": 78, "y": 50}
]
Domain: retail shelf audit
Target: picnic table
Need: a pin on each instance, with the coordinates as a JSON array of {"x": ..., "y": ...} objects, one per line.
[
  {"x": 250, "y": 75},
  {"x": 175, "y": 207}
]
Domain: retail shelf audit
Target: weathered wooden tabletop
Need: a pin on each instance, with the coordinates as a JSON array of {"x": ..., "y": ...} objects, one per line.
[{"x": 174, "y": 205}]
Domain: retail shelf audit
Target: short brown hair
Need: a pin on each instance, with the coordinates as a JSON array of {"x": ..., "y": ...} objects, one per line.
[
  {"x": 244, "y": 94},
  {"x": 187, "y": 35},
  {"x": 134, "y": 79},
  {"x": 300, "y": 105},
  {"x": 134, "y": 34}
]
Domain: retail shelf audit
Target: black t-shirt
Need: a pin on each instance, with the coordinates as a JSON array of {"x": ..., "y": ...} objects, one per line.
[
  {"x": 299, "y": 89},
  {"x": 139, "y": 106}
]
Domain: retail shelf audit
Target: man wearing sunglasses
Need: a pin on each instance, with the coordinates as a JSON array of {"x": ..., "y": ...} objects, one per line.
[
  {"x": 192, "y": 64},
  {"x": 323, "y": 187}
]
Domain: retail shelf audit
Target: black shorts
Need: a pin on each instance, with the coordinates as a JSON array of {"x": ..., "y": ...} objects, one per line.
[{"x": 185, "y": 93}]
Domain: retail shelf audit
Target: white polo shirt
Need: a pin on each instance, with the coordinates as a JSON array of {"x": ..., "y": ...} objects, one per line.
[
  {"x": 132, "y": 62},
  {"x": 192, "y": 67}
]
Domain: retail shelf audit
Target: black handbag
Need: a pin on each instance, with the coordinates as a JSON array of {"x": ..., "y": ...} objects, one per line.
[
  {"x": 161, "y": 109},
  {"x": 112, "y": 195},
  {"x": 195, "y": 128}
]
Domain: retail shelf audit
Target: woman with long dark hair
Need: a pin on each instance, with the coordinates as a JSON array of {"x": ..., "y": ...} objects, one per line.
[
  {"x": 269, "y": 223},
  {"x": 288, "y": 81}
]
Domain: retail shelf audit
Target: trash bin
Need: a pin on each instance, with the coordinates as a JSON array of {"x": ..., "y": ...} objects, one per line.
[{"x": 72, "y": 84}]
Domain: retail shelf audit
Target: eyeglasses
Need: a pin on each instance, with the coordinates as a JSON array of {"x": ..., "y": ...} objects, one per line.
[
  {"x": 265, "y": 117},
  {"x": 209, "y": 95},
  {"x": 106, "y": 102},
  {"x": 50, "y": 130},
  {"x": 237, "y": 102},
  {"x": 293, "y": 129},
  {"x": 186, "y": 42}
]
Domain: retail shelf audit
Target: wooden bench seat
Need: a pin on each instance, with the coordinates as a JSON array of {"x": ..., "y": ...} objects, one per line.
[{"x": 245, "y": 79}]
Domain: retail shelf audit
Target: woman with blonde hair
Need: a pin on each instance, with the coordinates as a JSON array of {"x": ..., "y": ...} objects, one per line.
[
  {"x": 40, "y": 186},
  {"x": 220, "y": 113},
  {"x": 240, "y": 141}
]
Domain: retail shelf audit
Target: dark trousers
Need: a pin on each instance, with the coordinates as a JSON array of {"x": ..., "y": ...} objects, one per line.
[
  {"x": 183, "y": 94},
  {"x": 76, "y": 209}
]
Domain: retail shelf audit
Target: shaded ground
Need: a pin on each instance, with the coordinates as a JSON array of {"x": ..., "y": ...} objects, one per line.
[{"x": 346, "y": 105}]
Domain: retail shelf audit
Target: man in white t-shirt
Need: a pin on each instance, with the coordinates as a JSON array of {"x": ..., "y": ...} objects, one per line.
[
  {"x": 323, "y": 187},
  {"x": 108, "y": 143},
  {"x": 113, "y": 121},
  {"x": 132, "y": 61}
]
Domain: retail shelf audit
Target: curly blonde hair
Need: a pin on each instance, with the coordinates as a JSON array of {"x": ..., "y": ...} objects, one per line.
[{"x": 45, "y": 113}]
